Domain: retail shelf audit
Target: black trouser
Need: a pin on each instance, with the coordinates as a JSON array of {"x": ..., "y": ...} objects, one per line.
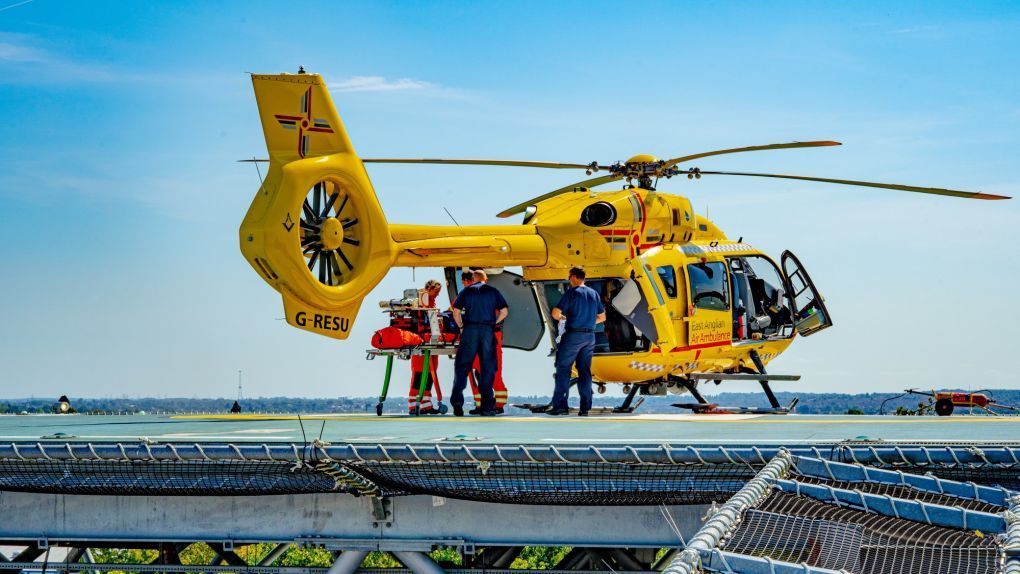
[{"x": 475, "y": 340}]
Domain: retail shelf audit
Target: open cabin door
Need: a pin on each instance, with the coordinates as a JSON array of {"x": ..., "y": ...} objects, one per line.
[
  {"x": 654, "y": 295},
  {"x": 524, "y": 327},
  {"x": 809, "y": 312}
]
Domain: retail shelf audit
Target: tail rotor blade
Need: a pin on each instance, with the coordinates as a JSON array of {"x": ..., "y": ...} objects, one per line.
[{"x": 329, "y": 205}]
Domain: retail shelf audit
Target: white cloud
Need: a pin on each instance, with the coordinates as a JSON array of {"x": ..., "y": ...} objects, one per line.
[
  {"x": 928, "y": 29},
  {"x": 10, "y": 52},
  {"x": 378, "y": 84}
]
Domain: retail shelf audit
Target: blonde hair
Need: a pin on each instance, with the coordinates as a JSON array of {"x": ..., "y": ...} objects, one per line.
[
  {"x": 432, "y": 284},
  {"x": 479, "y": 275}
]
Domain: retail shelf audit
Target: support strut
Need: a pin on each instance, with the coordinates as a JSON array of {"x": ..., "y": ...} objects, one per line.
[{"x": 760, "y": 365}]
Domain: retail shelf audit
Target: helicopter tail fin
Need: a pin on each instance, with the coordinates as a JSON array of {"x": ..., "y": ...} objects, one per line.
[{"x": 315, "y": 230}]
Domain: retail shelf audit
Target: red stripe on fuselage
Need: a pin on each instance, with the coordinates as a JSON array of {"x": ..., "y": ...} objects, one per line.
[{"x": 693, "y": 347}]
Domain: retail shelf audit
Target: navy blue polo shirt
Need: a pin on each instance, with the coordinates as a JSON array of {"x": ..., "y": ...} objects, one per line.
[
  {"x": 479, "y": 304},
  {"x": 582, "y": 305}
]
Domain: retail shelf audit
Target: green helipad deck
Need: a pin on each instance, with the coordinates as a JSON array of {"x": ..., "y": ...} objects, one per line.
[{"x": 531, "y": 429}]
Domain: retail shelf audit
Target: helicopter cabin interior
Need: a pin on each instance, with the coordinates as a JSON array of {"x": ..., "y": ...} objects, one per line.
[{"x": 749, "y": 292}]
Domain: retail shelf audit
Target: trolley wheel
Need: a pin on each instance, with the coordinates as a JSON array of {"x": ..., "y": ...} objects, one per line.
[
  {"x": 943, "y": 407},
  {"x": 378, "y": 410},
  {"x": 443, "y": 409},
  {"x": 601, "y": 389}
]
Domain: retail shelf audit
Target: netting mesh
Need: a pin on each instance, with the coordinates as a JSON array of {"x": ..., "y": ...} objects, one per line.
[
  {"x": 798, "y": 529},
  {"x": 562, "y": 483},
  {"x": 898, "y": 491},
  {"x": 1006, "y": 476},
  {"x": 166, "y": 477}
]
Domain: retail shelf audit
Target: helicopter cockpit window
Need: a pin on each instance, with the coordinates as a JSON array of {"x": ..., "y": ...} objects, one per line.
[
  {"x": 668, "y": 277},
  {"x": 598, "y": 214},
  {"x": 708, "y": 286}
]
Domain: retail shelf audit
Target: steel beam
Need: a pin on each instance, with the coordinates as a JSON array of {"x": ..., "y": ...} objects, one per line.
[
  {"x": 829, "y": 470},
  {"x": 419, "y": 562},
  {"x": 348, "y": 562},
  {"x": 275, "y": 553},
  {"x": 337, "y": 521},
  {"x": 914, "y": 510},
  {"x": 719, "y": 561}
]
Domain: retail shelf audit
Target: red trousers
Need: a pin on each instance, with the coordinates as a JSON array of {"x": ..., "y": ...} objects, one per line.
[
  {"x": 498, "y": 386},
  {"x": 417, "y": 366}
]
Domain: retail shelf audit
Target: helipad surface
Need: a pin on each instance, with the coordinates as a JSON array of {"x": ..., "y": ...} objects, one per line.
[{"x": 531, "y": 429}]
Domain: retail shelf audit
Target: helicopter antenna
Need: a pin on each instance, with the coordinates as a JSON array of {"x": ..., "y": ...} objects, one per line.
[
  {"x": 258, "y": 171},
  {"x": 451, "y": 216}
]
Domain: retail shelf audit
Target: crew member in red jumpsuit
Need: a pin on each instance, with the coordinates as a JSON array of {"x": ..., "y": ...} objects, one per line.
[
  {"x": 427, "y": 299},
  {"x": 498, "y": 386}
]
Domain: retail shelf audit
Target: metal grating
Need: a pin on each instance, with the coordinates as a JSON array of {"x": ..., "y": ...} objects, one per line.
[{"x": 797, "y": 529}]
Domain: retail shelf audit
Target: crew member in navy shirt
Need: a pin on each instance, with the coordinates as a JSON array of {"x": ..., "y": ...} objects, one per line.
[
  {"x": 582, "y": 308},
  {"x": 477, "y": 310}
]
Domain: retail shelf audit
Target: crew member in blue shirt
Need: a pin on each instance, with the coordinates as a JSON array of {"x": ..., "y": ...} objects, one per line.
[
  {"x": 582, "y": 308},
  {"x": 477, "y": 310}
]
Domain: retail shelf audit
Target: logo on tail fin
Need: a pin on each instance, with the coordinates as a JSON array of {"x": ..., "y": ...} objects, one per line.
[{"x": 304, "y": 123}]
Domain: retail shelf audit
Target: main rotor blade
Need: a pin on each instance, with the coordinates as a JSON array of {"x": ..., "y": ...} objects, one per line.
[
  {"x": 931, "y": 190},
  {"x": 588, "y": 184},
  {"x": 499, "y": 162},
  {"x": 790, "y": 145}
]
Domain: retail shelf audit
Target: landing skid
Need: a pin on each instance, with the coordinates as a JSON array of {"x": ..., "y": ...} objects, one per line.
[
  {"x": 627, "y": 406},
  {"x": 544, "y": 408},
  {"x": 763, "y": 378},
  {"x": 714, "y": 409}
]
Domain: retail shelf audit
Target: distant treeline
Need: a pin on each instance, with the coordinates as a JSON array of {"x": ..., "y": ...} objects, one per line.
[{"x": 810, "y": 403}]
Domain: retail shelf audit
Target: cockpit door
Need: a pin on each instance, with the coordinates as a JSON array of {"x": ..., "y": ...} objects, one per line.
[
  {"x": 524, "y": 327},
  {"x": 809, "y": 312},
  {"x": 658, "y": 301}
]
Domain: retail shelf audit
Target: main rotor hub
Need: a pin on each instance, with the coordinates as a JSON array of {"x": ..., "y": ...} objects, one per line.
[{"x": 642, "y": 158}]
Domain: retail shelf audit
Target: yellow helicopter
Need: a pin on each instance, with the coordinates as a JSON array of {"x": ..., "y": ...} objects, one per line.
[{"x": 685, "y": 304}]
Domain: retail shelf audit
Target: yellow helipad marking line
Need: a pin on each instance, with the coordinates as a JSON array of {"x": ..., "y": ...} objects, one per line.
[{"x": 757, "y": 419}]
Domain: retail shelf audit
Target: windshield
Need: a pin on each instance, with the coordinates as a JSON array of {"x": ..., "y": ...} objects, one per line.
[{"x": 708, "y": 286}]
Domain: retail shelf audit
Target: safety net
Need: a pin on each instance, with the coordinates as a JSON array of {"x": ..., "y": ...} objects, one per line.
[
  {"x": 562, "y": 483},
  {"x": 797, "y": 529},
  {"x": 162, "y": 477},
  {"x": 1006, "y": 476}
]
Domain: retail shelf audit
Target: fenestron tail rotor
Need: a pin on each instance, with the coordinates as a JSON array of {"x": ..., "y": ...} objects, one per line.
[{"x": 328, "y": 227}]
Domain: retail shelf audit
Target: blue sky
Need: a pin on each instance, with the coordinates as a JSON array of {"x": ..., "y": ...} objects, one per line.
[{"x": 120, "y": 198}]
